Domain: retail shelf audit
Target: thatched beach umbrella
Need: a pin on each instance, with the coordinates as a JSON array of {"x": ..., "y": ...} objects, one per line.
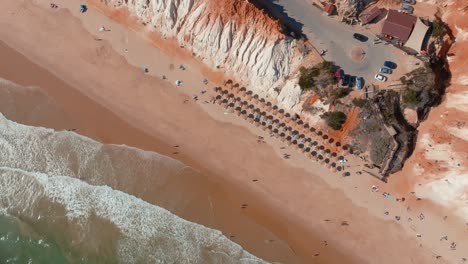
[
  {"x": 282, "y": 136},
  {"x": 244, "y": 114},
  {"x": 325, "y": 136},
  {"x": 275, "y": 109},
  {"x": 224, "y": 92},
  {"x": 306, "y": 128},
  {"x": 314, "y": 153},
  {"x": 256, "y": 98},
  {"x": 268, "y": 106},
  {"x": 287, "y": 117},
  {"x": 249, "y": 95},
  {"x": 334, "y": 154},
  {"x": 270, "y": 127},
  {"x": 257, "y": 122},
  {"x": 312, "y": 129},
  {"x": 294, "y": 142},
  {"x": 307, "y": 149},
  {"x": 319, "y": 133},
  {"x": 331, "y": 140},
  {"x": 229, "y": 81},
  {"x": 243, "y": 91},
  {"x": 275, "y": 132},
  {"x": 327, "y": 160},
  {"x": 281, "y": 113},
  {"x": 235, "y": 86},
  {"x": 276, "y": 121},
  {"x": 300, "y": 122},
  {"x": 301, "y": 136},
  {"x": 288, "y": 140},
  {"x": 321, "y": 147},
  {"x": 238, "y": 99},
  {"x": 338, "y": 144},
  {"x": 218, "y": 89},
  {"x": 262, "y": 102},
  {"x": 301, "y": 147},
  {"x": 238, "y": 110},
  {"x": 250, "y": 117},
  {"x": 231, "y": 107},
  {"x": 339, "y": 168}
]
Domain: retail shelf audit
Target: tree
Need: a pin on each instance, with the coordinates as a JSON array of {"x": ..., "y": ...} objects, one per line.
[
  {"x": 411, "y": 97},
  {"x": 335, "y": 120},
  {"x": 438, "y": 28},
  {"x": 340, "y": 92},
  {"x": 359, "y": 102}
]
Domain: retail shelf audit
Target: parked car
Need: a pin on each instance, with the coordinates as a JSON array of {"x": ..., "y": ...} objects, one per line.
[
  {"x": 359, "y": 83},
  {"x": 339, "y": 74},
  {"x": 360, "y": 37},
  {"x": 390, "y": 64},
  {"x": 407, "y": 8},
  {"x": 385, "y": 70},
  {"x": 345, "y": 80},
  {"x": 380, "y": 77},
  {"x": 411, "y": 2},
  {"x": 352, "y": 81}
]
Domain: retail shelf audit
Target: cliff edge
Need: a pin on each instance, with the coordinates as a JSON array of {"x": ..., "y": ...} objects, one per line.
[{"x": 230, "y": 35}]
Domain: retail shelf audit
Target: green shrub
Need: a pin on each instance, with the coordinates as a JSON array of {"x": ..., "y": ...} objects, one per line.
[
  {"x": 379, "y": 148},
  {"x": 411, "y": 97},
  {"x": 359, "y": 102},
  {"x": 340, "y": 92},
  {"x": 438, "y": 28},
  {"x": 335, "y": 120}
]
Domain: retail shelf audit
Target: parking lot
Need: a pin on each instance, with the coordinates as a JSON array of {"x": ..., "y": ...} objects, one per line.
[{"x": 356, "y": 58}]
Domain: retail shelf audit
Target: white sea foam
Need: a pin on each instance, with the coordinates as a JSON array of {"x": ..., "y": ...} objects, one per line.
[{"x": 33, "y": 162}]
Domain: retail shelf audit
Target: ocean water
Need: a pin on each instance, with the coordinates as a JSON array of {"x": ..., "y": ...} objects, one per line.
[
  {"x": 19, "y": 243},
  {"x": 57, "y": 204}
]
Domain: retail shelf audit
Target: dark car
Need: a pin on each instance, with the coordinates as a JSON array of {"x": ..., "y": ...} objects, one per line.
[
  {"x": 352, "y": 81},
  {"x": 390, "y": 64},
  {"x": 345, "y": 80},
  {"x": 339, "y": 74},
  {"x": 385, "y": 70},
  {"x": 360, "y": 37},
  {"x": 359, "y": 83}
]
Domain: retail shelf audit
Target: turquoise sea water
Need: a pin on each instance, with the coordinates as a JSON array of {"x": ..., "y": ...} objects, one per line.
[{"x": 20, "y": 244}]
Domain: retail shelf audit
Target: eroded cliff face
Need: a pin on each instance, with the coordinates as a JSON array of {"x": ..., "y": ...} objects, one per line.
[
  {"x": 438, "y": 169},
  {"x": 351, "y": 8},
  {"x": 231, "y": 35}
]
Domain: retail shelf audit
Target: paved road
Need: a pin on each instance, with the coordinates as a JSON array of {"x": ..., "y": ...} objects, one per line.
[{"x": 325, "y": 33}]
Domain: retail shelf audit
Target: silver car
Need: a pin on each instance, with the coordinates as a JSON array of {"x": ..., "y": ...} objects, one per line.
[
  {"x": 407, "y": 8},
  {"x": 380, "y": 77},
  {"x": 410, "y": 2}
]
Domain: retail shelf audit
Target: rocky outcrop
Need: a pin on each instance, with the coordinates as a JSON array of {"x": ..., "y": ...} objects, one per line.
[
  {"x": 351, "y": 8},
  {"x": 230, "y": 35}
]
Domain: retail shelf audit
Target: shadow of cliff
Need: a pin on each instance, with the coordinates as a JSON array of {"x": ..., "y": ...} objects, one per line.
[{"x": 290, "y": 26}]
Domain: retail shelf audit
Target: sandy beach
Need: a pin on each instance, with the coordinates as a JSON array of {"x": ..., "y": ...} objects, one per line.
[{"x": 296, "y": 208}]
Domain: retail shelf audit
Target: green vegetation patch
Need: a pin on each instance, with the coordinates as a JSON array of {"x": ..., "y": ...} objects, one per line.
[
  {"x": 379, "y": 148},
  {"x": 335, "y": 120},
  {"x": 358, "y": 102},
  {"x": 340, "y": 92},
  {"x": 316, "y": 77},
  {"x": 438, "y": 28}
]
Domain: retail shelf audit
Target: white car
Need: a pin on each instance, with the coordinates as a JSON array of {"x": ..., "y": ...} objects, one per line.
[{"x": 380, "y": 77}]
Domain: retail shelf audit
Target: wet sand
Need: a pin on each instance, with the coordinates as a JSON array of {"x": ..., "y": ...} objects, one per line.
[
  {"x": 201, "y": 198},
  {"x": 292, "y": 199}
]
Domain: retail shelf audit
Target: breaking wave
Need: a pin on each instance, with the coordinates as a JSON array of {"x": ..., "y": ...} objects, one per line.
[{"x": 59, "y": 182}]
